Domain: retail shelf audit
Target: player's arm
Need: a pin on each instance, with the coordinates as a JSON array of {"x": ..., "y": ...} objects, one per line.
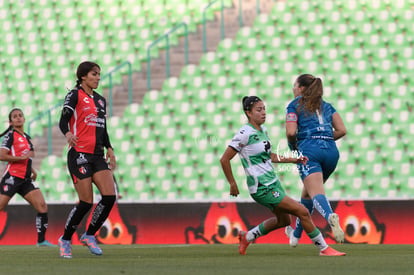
[
  {"x": 226, "y": 166},
  {"x": 110, "y": 155},
  {"x": 291, "y": 129},
  {"x": 33, "y": 176},
  {"x": 282, "y": 159},
  {"x": 67, "y": 113},
  {"x": 339, "y": 126},
  {"x": 4, "y": 156}
]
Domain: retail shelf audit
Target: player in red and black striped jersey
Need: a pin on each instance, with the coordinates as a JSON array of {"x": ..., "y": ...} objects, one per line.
[
  {"x": 83, "y": 122},
  {"x": 19, "y": 175}
]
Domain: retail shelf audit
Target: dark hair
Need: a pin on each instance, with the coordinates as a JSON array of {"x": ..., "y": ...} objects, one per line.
[
  {"x": 249, "y": 101},
  {"x": 311, "y": 99},
  {"x": 10, "y": 119},
  {"x": 83, "y": 69}
]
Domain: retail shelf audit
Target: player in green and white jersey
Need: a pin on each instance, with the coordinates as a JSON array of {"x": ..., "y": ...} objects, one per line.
[{"x": 255, "y": 150}]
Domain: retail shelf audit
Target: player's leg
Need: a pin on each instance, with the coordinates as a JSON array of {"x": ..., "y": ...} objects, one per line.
[
  {"x": 4, "y": 200},
  {"x": 280, "y": 220},
  {"x": 314, "y": 185},
  {"x": 36, "y": 199},
  {"x": 295, "y": 234},
  {"x": 104, "y": 181},
  {"x": 295, "y": 208},
  {"x": 268, "y": 196},
  {"x": 105, "y": 184}
]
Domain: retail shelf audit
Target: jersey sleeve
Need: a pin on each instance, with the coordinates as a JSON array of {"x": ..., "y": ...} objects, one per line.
[
  {"x": 331, "y": 109},
  {"x": 239, "y": 140},
  {"x": 71, "y": 100},
  {"x": 291, "y": 113},
  {"x": 29, "y": 140},
  {"x": 68, "y": 109},
  {"x": 7, "y": 141}
]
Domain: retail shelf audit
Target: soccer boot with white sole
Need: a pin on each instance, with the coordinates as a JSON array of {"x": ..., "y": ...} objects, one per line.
[
  {"x": 336, "y": 228},
  {"x": 293, "y": 241}
]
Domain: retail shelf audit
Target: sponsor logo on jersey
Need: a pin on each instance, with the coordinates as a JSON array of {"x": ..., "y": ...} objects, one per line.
[
  {"x": 81, "y": 159},
  {"x": 93, "y": 120}
]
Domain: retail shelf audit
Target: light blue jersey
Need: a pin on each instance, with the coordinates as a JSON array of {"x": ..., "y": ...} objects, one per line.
[
  {"x": 315, "y": 138},
  {"x": 312, "y": 125}
]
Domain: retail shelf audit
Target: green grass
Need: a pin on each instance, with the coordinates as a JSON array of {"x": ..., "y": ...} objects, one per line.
[{"x": 209, "y": 259}]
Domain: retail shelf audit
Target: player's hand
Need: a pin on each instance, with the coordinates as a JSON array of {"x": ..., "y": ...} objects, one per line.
[
  {"x": 110, "y": 156},
  {"x": 302, "y": 159},
  {"x": 234, "y": 190},
  {"x": 71, "y": 139},
  {"x": 33, "y": 176},
  {"x": 26, "y": 155}
]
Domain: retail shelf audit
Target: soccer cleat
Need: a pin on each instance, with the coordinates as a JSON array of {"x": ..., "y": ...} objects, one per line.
[
  {"x": 329, "y": 251},
  {"x": 65, "y": 248},
  {"x": 90, "y": 242},
  {"x": 45, "y": 243},
  {"x": 293, "y": 241},
  {"x": 336, "y": 228},
  {"x": 243, "y": 243}
]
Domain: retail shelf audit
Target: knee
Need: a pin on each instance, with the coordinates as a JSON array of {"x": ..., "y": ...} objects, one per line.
[
  {"x": 43, "y": 207},
  {"x": 303, "y": 213}
]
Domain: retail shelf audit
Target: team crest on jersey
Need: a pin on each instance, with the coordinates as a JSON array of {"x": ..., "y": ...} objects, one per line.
[
  {"x": 82, "y": 170},
  {"x": 81, "y": 159},
  {"x": 275, "y": 194},
  {"x": 86, "y": 100},
  {"x": 5, "y": 188}
]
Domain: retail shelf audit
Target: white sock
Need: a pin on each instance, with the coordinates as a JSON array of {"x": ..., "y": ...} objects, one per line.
[
  {"x": 253, "y": 234},
  {"x": 320, "y": 242}
]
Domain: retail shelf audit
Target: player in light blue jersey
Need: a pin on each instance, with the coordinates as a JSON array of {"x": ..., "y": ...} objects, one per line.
[
  {"x": 255, "y": 150},
  {"x": 312, "y": 126}
]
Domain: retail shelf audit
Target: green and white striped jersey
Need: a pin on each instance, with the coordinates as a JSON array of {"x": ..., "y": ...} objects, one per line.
[{"x": 254, "y": 149}]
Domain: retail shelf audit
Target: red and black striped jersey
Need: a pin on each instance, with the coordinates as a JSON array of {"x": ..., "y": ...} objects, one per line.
[
  {"x": 18, "y": 145},
  {"x": 87, "y": 120}
]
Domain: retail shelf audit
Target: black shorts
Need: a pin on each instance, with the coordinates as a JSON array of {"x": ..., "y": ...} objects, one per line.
[
  {"x": 11, "y": 185},
  {"x": 83, "y": 165}
]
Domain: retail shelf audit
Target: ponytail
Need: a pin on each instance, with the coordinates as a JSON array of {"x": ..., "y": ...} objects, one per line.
[
  {"x": 311, "y": 99},
  {"x": 78, "y": 83}
]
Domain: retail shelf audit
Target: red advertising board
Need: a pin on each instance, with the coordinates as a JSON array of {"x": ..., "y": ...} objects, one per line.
[{"x": 372, "y": 222}]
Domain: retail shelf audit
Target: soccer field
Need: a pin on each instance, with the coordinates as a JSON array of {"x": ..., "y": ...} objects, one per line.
[{"x": 209, "y": 259}]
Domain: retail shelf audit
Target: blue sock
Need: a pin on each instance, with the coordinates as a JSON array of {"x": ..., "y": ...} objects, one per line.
[
  {"x": 323, "y": 206},
  {"x": 298, "y": 228}
]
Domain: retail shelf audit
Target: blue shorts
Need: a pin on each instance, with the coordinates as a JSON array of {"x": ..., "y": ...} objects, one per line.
[{"x": 323, "y": 157}]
